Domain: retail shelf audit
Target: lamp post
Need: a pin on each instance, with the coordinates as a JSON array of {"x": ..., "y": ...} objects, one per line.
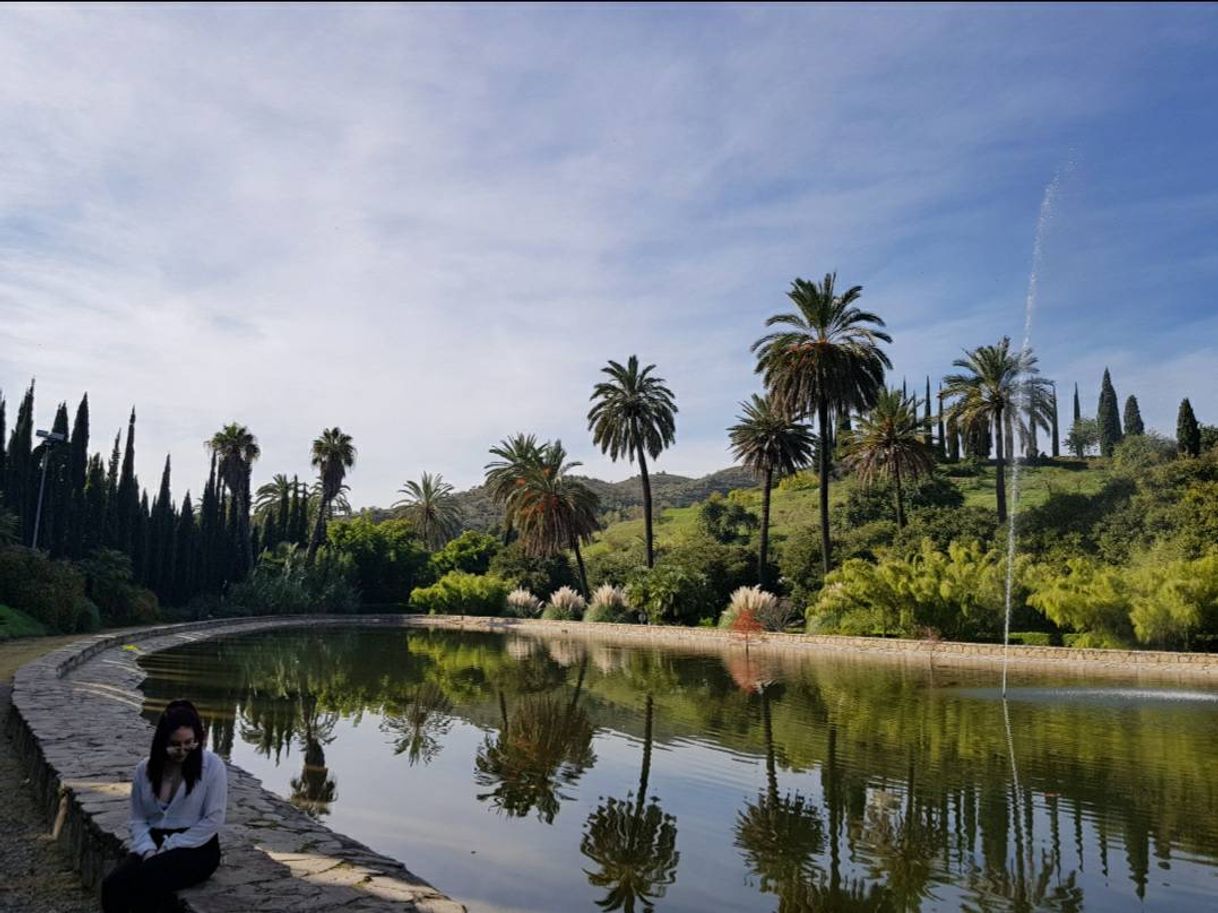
[{"x": 52, "y": 438}]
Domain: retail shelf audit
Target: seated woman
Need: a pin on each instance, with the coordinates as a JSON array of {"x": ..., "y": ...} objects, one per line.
[{"x": 178, "y": 799}]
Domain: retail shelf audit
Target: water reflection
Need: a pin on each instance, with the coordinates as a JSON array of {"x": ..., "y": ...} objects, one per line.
[
  {"x": 883, "y": 790},
  {"x": 632, "y": 841}
]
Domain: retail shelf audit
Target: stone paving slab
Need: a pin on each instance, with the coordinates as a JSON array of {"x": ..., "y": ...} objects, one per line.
[{"x": 75, "y": 720}]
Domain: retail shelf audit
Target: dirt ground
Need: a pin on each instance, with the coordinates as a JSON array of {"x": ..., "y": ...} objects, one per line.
[{"x": 35, "y": 875}]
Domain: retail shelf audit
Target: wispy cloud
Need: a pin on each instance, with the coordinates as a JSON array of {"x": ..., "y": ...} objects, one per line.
[{"x": 432, "y": 225}]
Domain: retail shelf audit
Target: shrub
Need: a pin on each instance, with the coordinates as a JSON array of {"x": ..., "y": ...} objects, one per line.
[
  {"x": 109, "y": 584},
  {"x": 723, "y": 569},
  {"x": 386, "y": 559},
  {"x": 565, "y": 605},
  {"x": 1138, "y": 452},
  {"x": 670, "y": 594},
  {"x": 616, "y": 566},
  {"x": 471, "y": 552},
  {"x": 15, "y": 623},
  {"x": 50, "y": 592},
  {"x": 293, "y": 589},
  {"x": 750, "y": 599},
  {"x": 1033, "y": 638},
  {"x": 538, "y": 575},
  {"x": 461, "y": 593},
  {"x": 521, "y": 603},
  {"x": 609, "y": 604}
]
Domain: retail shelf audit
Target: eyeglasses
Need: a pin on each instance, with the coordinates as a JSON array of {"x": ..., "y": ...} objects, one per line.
[{"x": 189, "y": 746}]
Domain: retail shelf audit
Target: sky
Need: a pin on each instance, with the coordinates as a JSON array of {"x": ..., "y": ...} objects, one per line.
[{"x": 432, "y": 226}]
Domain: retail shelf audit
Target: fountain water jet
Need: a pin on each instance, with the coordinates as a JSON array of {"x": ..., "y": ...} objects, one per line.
[{"x": 1021, "y": 393}]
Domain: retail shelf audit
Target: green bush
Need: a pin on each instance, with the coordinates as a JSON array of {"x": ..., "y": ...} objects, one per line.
[
  {"x": 50, "y": 592},
  {"x": 537, "y": 575},
  {"x": 461, "y": 593},
  {"x": 615, "y": 567},
  {"x": 15, "y": 623},
  {"x": 1035, "y": 638},
  {"x": 471, "y": 552},
  {"x": 283, "y": 585},
  {"x": 110, "y": 585},
  {"x": 723, "y": 569},
  {"x": 387, "y": 560},
  {"x": 670, "y": 594}
]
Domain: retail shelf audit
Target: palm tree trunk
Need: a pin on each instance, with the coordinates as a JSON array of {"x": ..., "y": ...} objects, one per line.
[
  {"x": 645, "y": 770},
  {"x": 319, "y": 529},
  {"x": 1000, "y": 481},
  {"x": 765, "y": 526},
  {"x": 646, "y": 507},
  {"x": 579, "y": 561},
  {"x": 825, "y": 545},
  {"x": 771, "y": 769},
  {"x": 896, "y": 475}
]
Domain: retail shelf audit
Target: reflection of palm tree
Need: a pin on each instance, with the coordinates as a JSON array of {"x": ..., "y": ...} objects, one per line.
[
  {"x": 420, "y": 726},
  {"x": 779, "y": 835},
  {"x": 904, "y": 848},
  {"x": 634, "y": 844},
  {"x": 315, "y": 790},
  {"x": 1003, "y": 890},
  {"x": 542, "y": 746}
]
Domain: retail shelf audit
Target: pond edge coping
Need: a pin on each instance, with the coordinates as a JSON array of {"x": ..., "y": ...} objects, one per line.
[{"x": 272, "y": 863}]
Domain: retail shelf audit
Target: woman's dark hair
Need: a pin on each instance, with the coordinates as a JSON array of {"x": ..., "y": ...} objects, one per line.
[{"x": 177, "y": 714}]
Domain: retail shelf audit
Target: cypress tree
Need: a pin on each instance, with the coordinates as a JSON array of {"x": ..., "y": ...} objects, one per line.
[
  {"x": 283, "y": 516},
  {"x": 942, "y": 430},
  {"x": 111, "y": 537},
  {"x": 58, "y": 495},
  {"x": 78, "y": 467},
  {"x": 1078, "y": 413},
  {"x": 1133, "y": 417},
  {"x": 185, "y": 555},
  {"x": 300, "y": 512},
  {"x": 93, "y": 521},
  {"x": 1108, "y": 417},
  {"x": 927, "y": 438},
  {"x": 953, "y": 439},
  {"x": 160, "y": 537},
  {"x": 20, "y": 487},
  {"x": 1188, "y": 432},
  {"x": 208, "y": 571},
  {"x": 1056, "y": 428},
  {"x": 128, "y": 496},
  {"x": 3, "y": 457},
  {"x": 140, "y": 540}
]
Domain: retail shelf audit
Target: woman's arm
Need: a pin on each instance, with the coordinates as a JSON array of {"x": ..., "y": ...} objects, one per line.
[
  {"x": 214, "y": 784},
  {"x": 141, "y": 839}
]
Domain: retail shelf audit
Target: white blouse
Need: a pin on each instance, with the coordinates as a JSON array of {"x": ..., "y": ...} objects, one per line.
[{"x": 201, "y": 810}]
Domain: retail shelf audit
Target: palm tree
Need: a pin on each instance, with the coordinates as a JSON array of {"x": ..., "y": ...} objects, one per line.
[
  {"x": 432, "y": 506},
  {"x": 825, "y": 360},
  {"x": 420, "y": 724},
  {"x": 552, "y": 510},
  {"x": 270, "y": 494},
  {"x": 333, "y": 455},
  {"x": 766, "y": 441},
  {"x": 633, "y": 842},
  {"x": 517, "y": 455},
  {"x": 999, "y": 388},
  {"x": 237, "y": 449},
  {"x": 634, "y": 417},
  {"x": 889, "y": 442}
]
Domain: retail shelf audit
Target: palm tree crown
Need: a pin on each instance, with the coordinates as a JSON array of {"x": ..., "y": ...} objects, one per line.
[
  {"x": 432, "y": 506},
  {"x": 888, "y": 442},
  {"x": 332, "y": 455},
  {"x": 767, "y": 442},
  {"x": 1000, "y": 388},
  {"x": 517, "y": 454},
  {"x": 633, "y": 416},
  {"x": 236, "y": 448},
  {"x": 827, "y": 359}
]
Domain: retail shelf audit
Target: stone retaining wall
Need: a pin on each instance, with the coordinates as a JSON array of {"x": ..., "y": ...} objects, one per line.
[{"x": 75, "y": 718}]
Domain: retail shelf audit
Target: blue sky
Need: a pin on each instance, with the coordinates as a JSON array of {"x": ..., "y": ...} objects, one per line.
[{"x": 433, "y": 225}]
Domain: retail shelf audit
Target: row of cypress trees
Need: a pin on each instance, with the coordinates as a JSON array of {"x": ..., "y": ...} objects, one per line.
[{"x": 92, "y": 503}]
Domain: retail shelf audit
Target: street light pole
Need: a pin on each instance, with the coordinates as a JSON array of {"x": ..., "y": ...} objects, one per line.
[{"x": 52, "y": 438}]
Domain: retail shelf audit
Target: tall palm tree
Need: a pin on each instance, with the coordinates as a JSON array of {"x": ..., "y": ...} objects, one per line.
[
  {"x": 517, "y": 455},
  {"x": 634, "y": 416},
  {"x": 633, "y": 842},
  {"x": 552, "y": 510},
  {"x": 889, "y": 442},
  {"x": 333, "y": 454},
  {"x": 767, "y": 442},
  {"x": 432, "y": 506},
  {"x": 237, "y": 449},
  {"x": 998, "y": 390},
  {"x": 826, "y": 359},
  {"x": 269, "y": 495}
]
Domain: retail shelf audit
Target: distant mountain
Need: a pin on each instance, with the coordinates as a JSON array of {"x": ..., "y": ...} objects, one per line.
[{"x": 619, "y": 500}]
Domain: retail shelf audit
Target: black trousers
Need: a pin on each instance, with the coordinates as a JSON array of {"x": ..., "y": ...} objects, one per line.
[{"x": 147, "y": 885}]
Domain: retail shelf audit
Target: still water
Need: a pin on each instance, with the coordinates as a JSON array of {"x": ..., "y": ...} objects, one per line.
[{"x": 527, "y": 774}]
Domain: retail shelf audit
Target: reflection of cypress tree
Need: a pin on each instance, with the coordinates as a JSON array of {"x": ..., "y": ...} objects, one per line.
[
  {"x": 1137, "y": 853},
  {"x": 544, "y": 745},
  {"x": 632, "y": 841}
]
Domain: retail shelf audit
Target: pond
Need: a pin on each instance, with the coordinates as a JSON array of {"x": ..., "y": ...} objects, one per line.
[{"x": 521, "y": 773}]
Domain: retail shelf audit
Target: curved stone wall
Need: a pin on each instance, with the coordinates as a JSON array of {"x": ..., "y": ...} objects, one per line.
[{"x": 75, "y": 716}]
